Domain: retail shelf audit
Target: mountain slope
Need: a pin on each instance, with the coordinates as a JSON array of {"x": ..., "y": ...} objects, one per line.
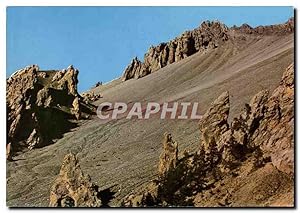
[{"x": 122, "y": 155}]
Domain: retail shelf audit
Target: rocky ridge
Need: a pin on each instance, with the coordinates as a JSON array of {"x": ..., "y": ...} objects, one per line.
[
  {"x": 261, "y": 160},
  {"x": 208, "y": 35},
  {"x": 257, "y": 144},
  {"x": 38, "y": 100},
  {"x": 278, "y": 29}
]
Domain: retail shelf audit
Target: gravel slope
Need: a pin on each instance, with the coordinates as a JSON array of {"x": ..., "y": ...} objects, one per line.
[{"x": 122, "y": 155}]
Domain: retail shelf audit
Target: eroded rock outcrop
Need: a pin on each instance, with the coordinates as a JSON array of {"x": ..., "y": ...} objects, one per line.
[
  {"x": 90, "y": 97},
  {"x": 207, "y": 36},
  {"x": 8, "y": 152},
  {"x": 258, "y": 142},
  {"x": 37, "y": 100},
  {"x": 267, "y": 123},
  {"x": 214, "y": 122},
  {"x": 76, "y": 108},
  {"x": 277, "y": 29},
  {"x": 73, "y": 188},
  {"x": 169, "y": 156},
  {"x": 176, "y": 179},
  {"x": 66, "y": 79},
  {"x": 275, "y": 131},
  {"x": 216, "y": 138}
]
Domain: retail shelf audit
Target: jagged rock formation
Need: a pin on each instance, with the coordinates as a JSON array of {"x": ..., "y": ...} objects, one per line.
[
  {"x": 90, "y": 97},
  {"x": 208, "y": 35},
  {"x": 37, "y": 100},
  {"x": 214, "y": 122},
  {"x": 216, "y": 139},
  {"x": 274, "y": 132},
  {"x": 8, "y": 151},
  {"x": 72, "y": 188},
  {"x": 278, "y": 29},
  {"x": 76, "y": 108},
  {"x": 257, "y": 146},
  {"x": 169, "y": 157},
  {"x": 176, "y": 179}
]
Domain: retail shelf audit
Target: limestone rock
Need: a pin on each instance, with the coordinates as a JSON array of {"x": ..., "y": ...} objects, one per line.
[
  {"x": 66, "y": 79},
  {"x": 148, "y": 197},
  {"x": 278, "y": 29},
  {"x": 34, "y": 139},
  {"x": 72, "y": 188},
  {"x": 208, "y": 36},
  {"x": 76, "y": 108},
  {"x": 90, "y": 97},
  {"x": 169, "y": 156},
  {"x": 244, "y": 125},
  {"x": 20, "y": 90},
  {"x": 42, "y": 74},
  {"x": 268, "y": 123},
  {"x": 275, "y": 133},
  {"x": 33, "y": 97},
  {"x": 214, "y": 123},
  {"x": 262, "y": 137},
  {"x": 44, "y": 97},
  {"x": 134, "y": 70},
  {"x": 8, "y": 151}
]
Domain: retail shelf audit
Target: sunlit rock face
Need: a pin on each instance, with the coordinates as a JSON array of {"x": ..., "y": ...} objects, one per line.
[
  {"x": 73, "y": 188},
  {"x": 37, "y": 101},
  {"x": 208, "y": 35}
]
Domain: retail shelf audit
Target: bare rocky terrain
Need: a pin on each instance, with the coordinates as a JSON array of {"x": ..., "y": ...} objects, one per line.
[{"x": 122, "y": 156}]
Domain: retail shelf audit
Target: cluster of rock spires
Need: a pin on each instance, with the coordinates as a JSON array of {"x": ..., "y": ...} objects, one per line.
[
  {"x": 73, "y": 188},
  {"x": 40, "y": 100},
  {"x": 278, "y": 29},
  {"x": 169, "y": 157},
  {"x": 263, "y": 131},
  {"x": 208, "y": 35},
  {"x": 90, "y": 97}
]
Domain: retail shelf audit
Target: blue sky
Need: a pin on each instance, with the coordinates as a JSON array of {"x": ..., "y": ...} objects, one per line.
[{"x": 101, "y": 41}]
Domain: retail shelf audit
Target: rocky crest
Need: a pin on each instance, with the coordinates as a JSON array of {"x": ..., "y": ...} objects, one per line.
[
  {"x": 209, "y": 35},
  {"x": 274, "y": 132},
  {"x": 38, "y": 100},
  {"x": 259, "y": 143},
  {"x": 278, "y": 29},
  {"x": 72, "y": 188}
]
